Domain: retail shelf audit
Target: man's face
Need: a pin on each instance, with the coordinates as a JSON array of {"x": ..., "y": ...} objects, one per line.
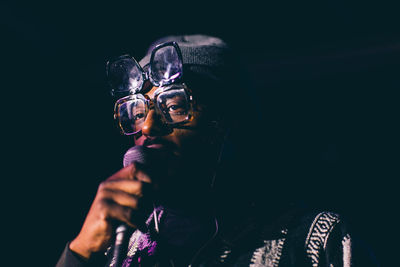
[
  {"x": 193, "y": 155},
  {"x": 156, "y": 135}
]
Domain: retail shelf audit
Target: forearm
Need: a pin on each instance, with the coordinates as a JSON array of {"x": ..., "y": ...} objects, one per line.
[{"x": 72, "y": 259}]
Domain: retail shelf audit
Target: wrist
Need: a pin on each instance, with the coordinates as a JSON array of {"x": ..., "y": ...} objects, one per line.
[{"x": 80, "y": 249}]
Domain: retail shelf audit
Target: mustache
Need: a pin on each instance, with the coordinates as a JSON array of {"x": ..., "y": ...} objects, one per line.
[{"x": 158, "y": 141}]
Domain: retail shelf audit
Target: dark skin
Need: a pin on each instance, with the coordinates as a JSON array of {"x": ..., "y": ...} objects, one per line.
[{"x": 126, "y": 195}]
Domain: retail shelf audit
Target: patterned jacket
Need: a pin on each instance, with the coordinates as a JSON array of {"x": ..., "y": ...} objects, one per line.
[{"x": 306, "y": 238}]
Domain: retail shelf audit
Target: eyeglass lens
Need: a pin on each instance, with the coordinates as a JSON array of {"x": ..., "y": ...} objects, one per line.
[
  {"x": 125, "y": 75},
  {"x": 132, "y": 114},
  {"x": 173, "y": 105},
  {"x": 166, "y": 65}
]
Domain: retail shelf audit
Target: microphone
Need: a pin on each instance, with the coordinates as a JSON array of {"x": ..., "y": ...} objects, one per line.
[
  {"x": 144, "y": 156},
  {"x": 141, "y": 155},
  {"x": 120, "y": 246}
]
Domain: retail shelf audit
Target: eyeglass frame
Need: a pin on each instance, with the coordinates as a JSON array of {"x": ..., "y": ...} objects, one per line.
[
  {"x": 150, "y": 103},
  {"x": 146, "y": 75}
]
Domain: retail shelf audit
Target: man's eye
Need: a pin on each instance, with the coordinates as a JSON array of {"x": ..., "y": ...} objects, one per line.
[
  {"x": 138, "y": 116},
  {"x": 176, "y": 108},
  {"x": 173, "y": 107}
]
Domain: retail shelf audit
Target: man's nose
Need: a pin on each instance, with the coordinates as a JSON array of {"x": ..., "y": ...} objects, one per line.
[{"x": 153, "y": 126}]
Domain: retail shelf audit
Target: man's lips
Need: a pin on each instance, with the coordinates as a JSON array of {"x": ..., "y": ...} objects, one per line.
[
  {"x": 156, "y": 146},
  {"x": 158, "y": 143}
]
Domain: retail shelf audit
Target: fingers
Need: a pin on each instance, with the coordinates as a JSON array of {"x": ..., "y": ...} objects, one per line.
[
  {"x": 132, "y": 172},
  {"x": 119, "y": 197},
  {"x": 128, "y": 186},
  {"x": 110, "y": 211},
  {"x": 124, "y": 197},
  {"x": 124, "y": 200}
]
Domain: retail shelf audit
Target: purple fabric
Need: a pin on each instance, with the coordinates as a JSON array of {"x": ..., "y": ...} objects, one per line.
[
  {"x": 146, "y": 247},
  {"x": 182, "y": 235}
]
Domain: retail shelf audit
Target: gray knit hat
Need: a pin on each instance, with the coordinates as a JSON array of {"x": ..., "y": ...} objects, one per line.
[{"x": 203, "y": 55}]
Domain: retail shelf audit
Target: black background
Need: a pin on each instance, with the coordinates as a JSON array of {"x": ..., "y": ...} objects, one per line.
[{"x": 325, "y": 74}]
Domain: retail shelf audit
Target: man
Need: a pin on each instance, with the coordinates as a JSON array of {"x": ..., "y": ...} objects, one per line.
[{"x": 184, "y": 194}]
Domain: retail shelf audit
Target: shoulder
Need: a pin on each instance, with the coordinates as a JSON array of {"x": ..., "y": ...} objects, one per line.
[
  {"x": 307, "y": 235},
  {"x": 324, "y": 238},
  {"x": 327, "y": 230},
  {"x": 321, "y": 228}
]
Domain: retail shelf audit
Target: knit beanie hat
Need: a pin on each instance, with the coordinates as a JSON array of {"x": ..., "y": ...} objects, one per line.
[{"x": 198, "y": 50}]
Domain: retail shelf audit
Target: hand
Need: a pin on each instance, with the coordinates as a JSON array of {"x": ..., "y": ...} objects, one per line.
[{"x": 119, "y": 199}]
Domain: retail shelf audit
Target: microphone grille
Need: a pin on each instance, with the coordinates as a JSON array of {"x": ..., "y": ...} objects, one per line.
[{"x": 137, "y": 154}]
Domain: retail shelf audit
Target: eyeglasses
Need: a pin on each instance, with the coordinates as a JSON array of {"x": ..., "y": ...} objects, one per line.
[
  {"x": 126, "y": 76},
  {"x": 172, "y": 101}
]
